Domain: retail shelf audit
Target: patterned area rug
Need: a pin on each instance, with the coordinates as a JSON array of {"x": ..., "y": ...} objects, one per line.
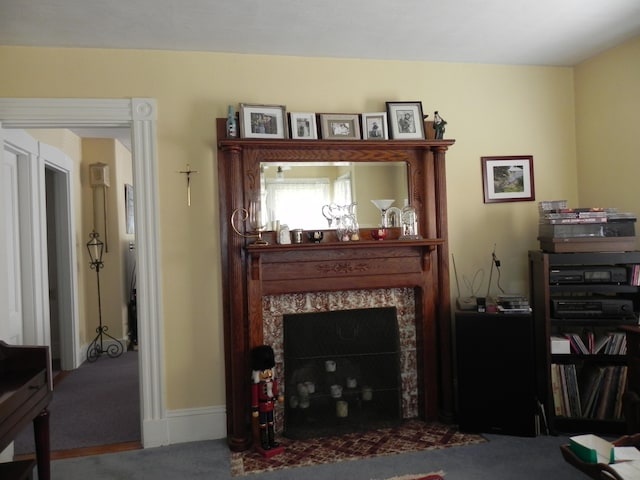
[
  {"x": 411, "y": 436},
  {"x": 421, "y": 476}
]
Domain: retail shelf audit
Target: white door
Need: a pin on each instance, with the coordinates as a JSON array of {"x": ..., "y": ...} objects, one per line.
[{"x": 10, "y": 279}]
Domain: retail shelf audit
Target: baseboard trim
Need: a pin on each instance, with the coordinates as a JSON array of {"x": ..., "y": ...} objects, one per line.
[{"x": 196, "y": 424}]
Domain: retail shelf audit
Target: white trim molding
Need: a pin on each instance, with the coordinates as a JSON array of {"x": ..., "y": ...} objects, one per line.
[{"x": 140, "y": 115}]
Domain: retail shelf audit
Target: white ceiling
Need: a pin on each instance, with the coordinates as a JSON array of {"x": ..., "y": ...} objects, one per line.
[{"x": 533, "y": 32}]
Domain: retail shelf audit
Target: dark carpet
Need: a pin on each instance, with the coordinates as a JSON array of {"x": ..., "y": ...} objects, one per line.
[
  {"x": 410, "y": 436},
  {"x": 96, "y": 404}
]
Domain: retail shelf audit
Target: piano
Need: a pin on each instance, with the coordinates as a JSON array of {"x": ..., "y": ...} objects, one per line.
[{"x": 26, "y": 389}]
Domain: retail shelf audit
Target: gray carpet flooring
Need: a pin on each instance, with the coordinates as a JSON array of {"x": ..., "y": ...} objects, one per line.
[
  {"x": 96, "y": 404},
  {"x": 501, "y": 458}
]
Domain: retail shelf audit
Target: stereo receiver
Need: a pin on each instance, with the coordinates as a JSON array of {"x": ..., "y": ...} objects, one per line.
[
  {"x": 592, "y": 307},
  {"x": 603, "y": 274}
]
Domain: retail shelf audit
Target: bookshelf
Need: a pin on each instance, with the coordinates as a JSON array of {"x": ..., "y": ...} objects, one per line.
[{"x": 582, "y": 381}]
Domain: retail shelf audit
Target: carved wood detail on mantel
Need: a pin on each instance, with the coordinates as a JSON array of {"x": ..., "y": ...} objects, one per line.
[{"x": 251, "y": 272}]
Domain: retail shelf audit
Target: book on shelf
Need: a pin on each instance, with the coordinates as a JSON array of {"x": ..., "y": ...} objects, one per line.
[{"x": 594, "y": 392}]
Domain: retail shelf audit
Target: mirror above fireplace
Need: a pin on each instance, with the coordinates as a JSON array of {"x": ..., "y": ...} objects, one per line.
[{"x": 295, "y": 192}]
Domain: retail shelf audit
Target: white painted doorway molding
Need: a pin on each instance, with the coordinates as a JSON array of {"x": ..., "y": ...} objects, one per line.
[{"x": 139, "y": 114}]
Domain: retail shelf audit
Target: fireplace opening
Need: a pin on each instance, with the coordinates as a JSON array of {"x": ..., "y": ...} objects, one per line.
[{"x": 342, "y": 372}]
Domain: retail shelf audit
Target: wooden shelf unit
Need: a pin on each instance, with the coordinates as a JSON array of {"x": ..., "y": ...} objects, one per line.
[{"x": 548, "y": 323}]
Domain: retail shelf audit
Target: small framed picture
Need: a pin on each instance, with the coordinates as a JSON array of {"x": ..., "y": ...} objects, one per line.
[
  {"x": 374, "y": 126},
  {"x": 303, "y": 126},
  {"x": 263, "y": 121},
  {"x": 508, "y": 179},
  {"x": 405, "y": 120},
  {"x": 340, "y": 126}
]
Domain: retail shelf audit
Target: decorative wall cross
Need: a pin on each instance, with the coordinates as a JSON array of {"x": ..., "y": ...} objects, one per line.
[{"x": 188, "y": 173}]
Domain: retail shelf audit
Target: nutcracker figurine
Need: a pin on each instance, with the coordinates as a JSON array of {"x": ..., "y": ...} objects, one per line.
[{"x": 264, "y": 395}]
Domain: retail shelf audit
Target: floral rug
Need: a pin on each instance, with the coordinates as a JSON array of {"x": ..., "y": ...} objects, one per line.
[{"x": 411, "y": 436}]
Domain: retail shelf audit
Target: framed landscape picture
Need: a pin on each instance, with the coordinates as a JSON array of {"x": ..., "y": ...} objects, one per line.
[{"x": 508, "y": 179}]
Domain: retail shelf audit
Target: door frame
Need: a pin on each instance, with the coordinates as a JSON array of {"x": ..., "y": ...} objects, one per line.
[{"x": 140, "y": 115}]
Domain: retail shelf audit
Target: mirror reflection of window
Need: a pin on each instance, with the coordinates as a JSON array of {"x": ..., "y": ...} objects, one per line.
[
  {"x": 298, "y": 202},
  {"x": 342, "y": 190}
]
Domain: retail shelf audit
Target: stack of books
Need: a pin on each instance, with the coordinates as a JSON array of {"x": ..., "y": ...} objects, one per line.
[{"x": 564, "y": 229}]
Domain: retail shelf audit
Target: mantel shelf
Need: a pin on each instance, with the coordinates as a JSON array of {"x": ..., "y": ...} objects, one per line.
[
  {"x": 331, "y": 144},
  {"x": 431, "y": 242}
]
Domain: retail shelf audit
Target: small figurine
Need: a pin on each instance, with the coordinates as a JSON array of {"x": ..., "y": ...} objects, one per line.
[
  {"x": 264, "y": 395},
  {"x": 438, "y": 125},
  {"x": 232, "y": 126}
]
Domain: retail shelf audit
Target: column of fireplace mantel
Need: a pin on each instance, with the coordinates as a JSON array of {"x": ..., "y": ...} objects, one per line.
[{"x": 251, "y": 272}]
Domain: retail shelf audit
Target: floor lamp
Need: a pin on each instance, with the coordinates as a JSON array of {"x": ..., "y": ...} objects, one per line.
[{"x": 96, "y": 348}]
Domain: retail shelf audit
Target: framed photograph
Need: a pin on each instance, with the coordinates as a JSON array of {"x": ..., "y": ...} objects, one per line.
[
  {"x": 303, "y": 126},
  {"x": 263, "y": 121},
  {"x": 406, "y": 121},
  {"x": 340, "y": 126},
  {"x": 508, "y": 179},
  {"x": 374, "y": 126}
]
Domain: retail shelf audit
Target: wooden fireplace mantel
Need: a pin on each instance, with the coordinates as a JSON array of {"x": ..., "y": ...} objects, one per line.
[{"x": 252, "y": 271}]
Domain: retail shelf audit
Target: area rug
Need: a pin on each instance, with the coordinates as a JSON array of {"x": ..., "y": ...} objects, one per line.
[
  {"x": 420, "y": 476},
  {"x": 410, "y": 436}
]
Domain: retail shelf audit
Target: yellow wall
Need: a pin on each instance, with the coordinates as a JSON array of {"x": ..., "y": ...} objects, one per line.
[
  {"x": 490, "y": 110},
  {"x": 607, "y": 109}
]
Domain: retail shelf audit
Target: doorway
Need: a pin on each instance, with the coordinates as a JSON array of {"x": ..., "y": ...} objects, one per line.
[{"x": 140, "y": 116}]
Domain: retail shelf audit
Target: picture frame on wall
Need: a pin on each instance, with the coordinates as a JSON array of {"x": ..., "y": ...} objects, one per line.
[
  {"x": 303, "y": 126},
  {"x": 508, "y": 179},
  {"x": 406, "y": 121},
  {"x": 340, "y": 126},
  {"x": 374, "y": 126},
  {"x": 263, "y": 121}
]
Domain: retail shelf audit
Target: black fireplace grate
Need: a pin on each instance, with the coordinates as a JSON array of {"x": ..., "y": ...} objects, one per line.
[{"x": 342, "y": 371}]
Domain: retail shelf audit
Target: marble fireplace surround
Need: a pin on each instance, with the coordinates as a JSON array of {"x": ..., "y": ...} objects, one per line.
[{"x": 274, "y": 307}]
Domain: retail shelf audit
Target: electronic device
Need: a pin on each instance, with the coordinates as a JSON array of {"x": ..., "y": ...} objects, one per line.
[
  {"x": 601, "y": 274},
  {"x": 594, "y": 307}
]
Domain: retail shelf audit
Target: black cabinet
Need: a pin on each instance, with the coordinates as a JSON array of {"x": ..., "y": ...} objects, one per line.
[
  {"x": 582, "y": 300},
  {"x": 496, "y": 373}
]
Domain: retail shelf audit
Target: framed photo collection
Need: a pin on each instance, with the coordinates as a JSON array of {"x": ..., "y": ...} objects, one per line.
[{"x": 401, "y": 121}]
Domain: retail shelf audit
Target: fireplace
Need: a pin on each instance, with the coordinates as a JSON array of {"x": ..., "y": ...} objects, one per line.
[
  {"x": 277, "y": 308},
  {"x": 342, "y": 372},
  {"x": 259, "y": 279}
]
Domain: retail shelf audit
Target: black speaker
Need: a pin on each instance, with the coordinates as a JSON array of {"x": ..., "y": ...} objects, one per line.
[{"x": 496, "y": 373}]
